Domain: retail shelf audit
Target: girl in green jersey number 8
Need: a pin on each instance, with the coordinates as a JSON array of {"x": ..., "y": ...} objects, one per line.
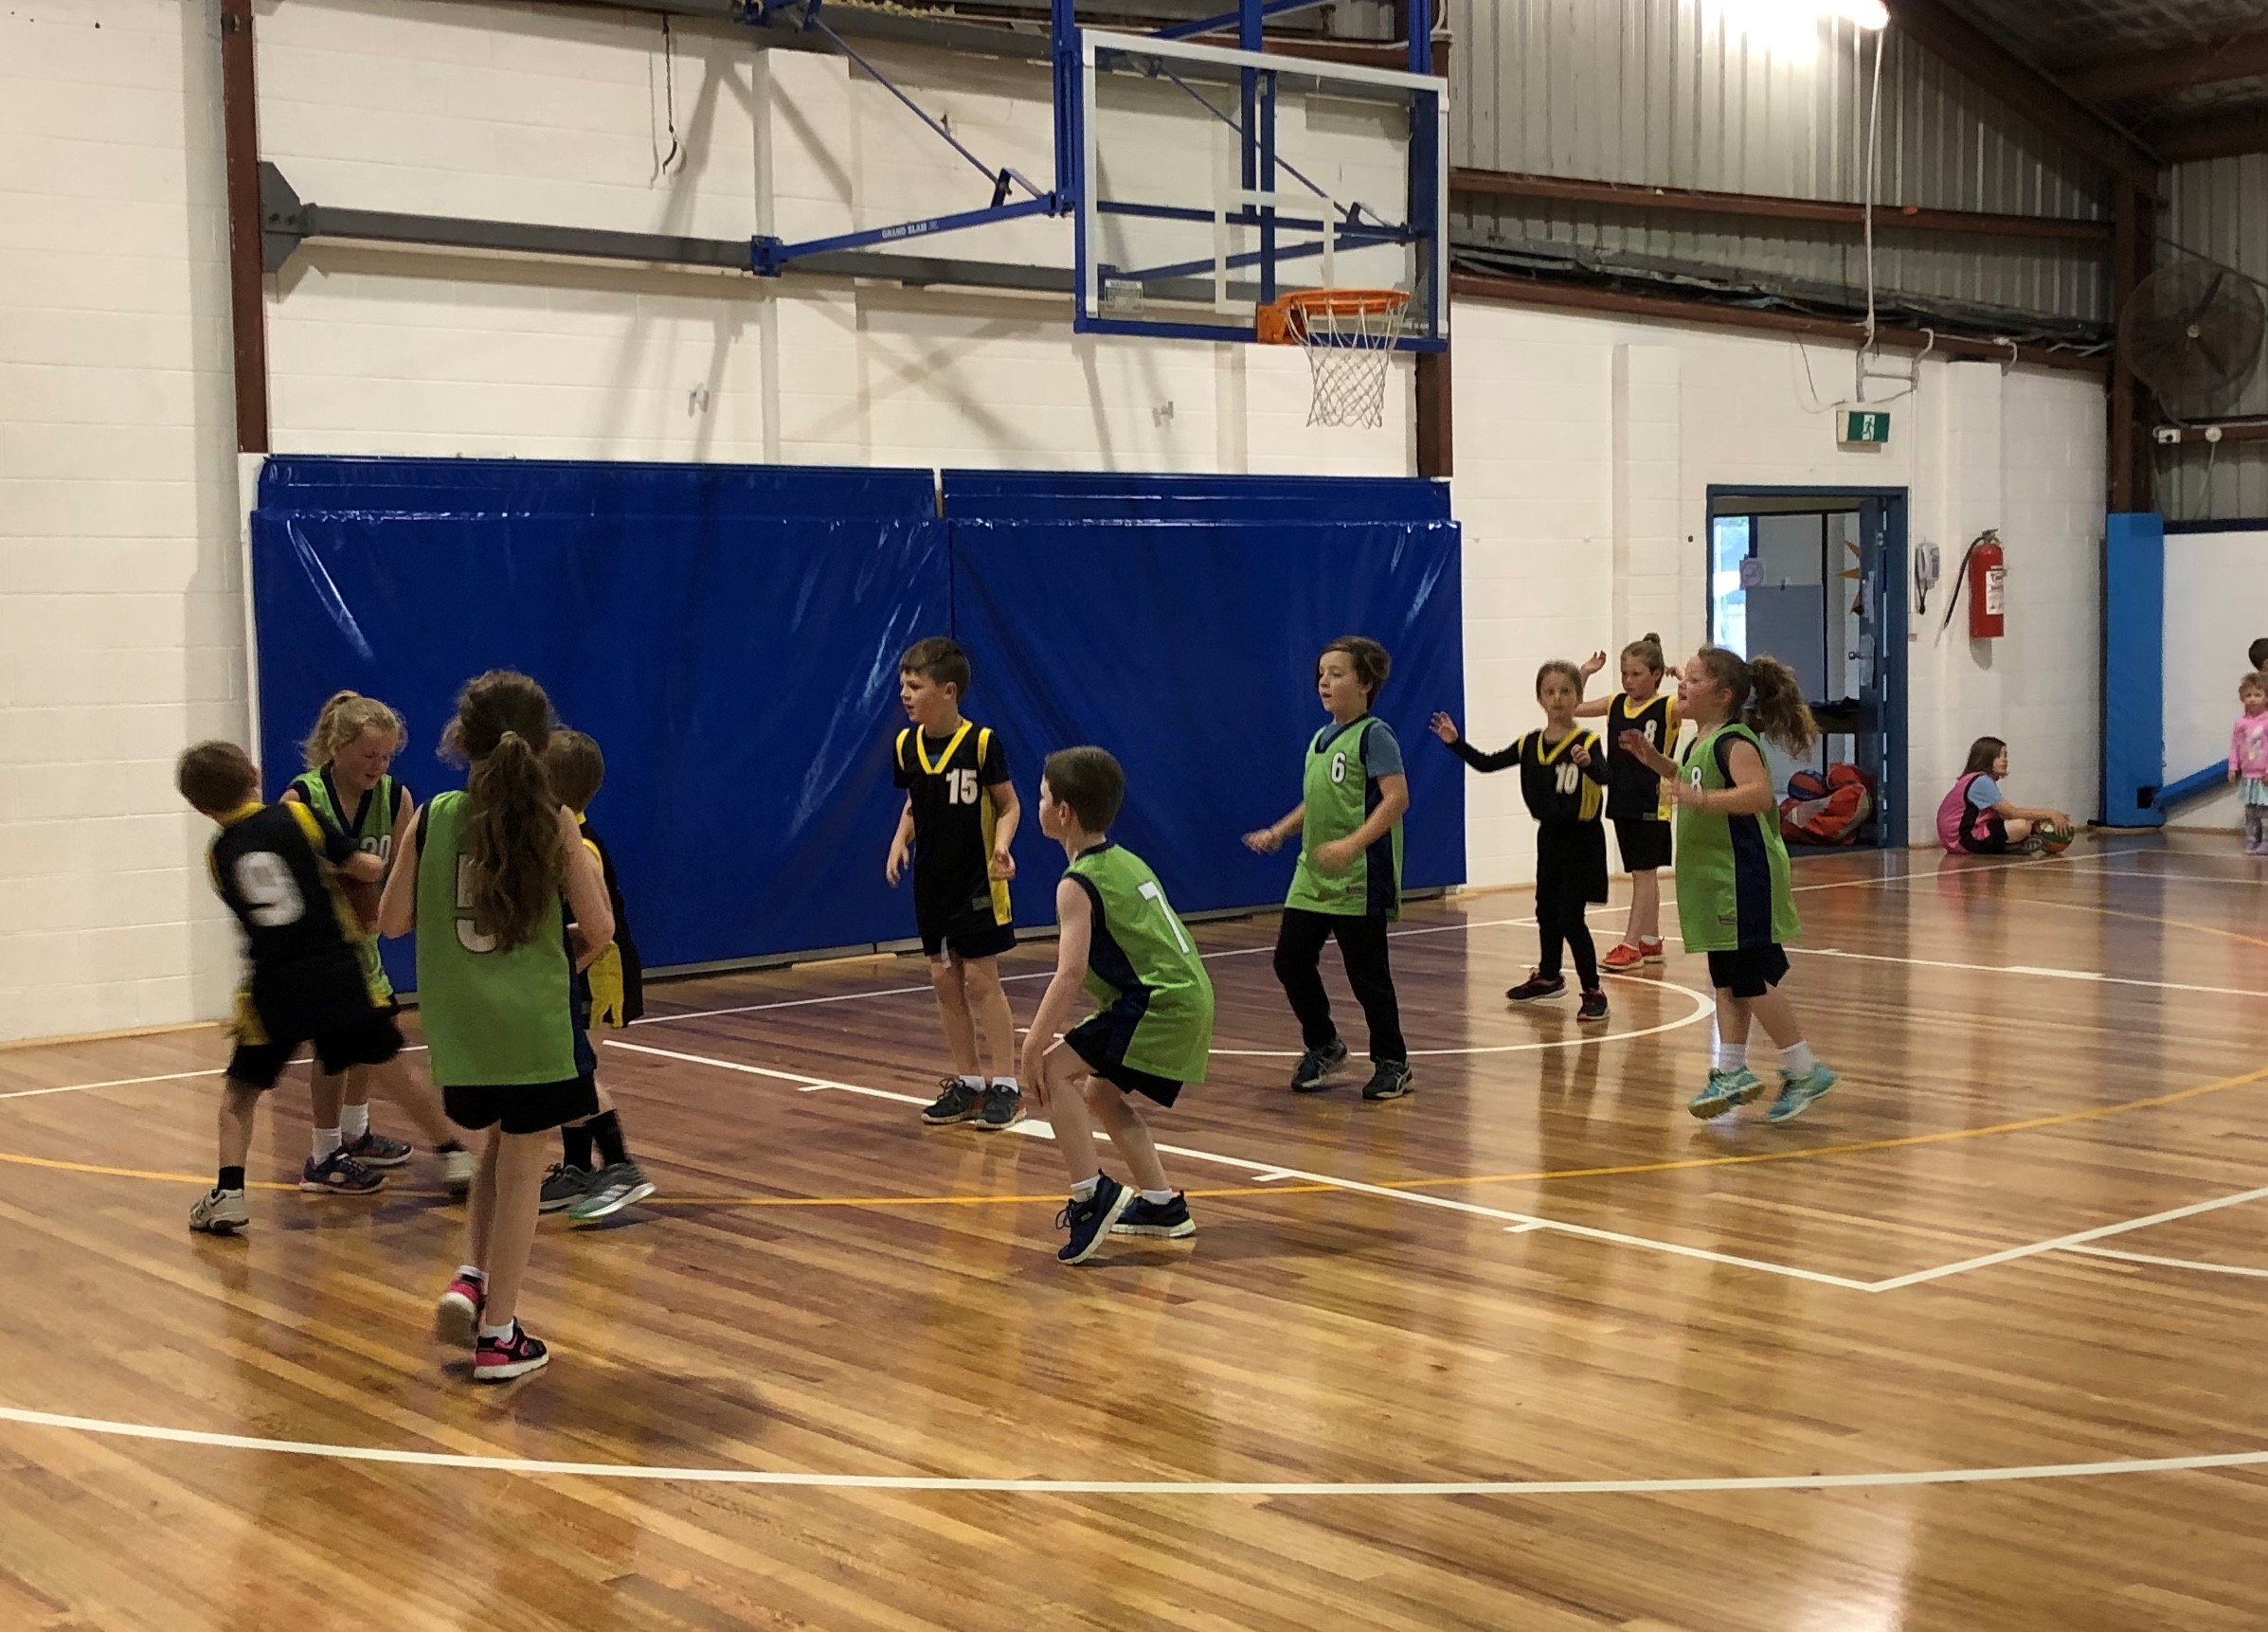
[
  {"x": 1733, "y": 896},
  {"x": 494, "y": 985}
]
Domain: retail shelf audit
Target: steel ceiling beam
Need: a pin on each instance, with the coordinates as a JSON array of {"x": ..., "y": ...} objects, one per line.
[
  {"x": 2214, "y": 136},
  {"x": 2242, "y": 57},
  {"x": 1940, "y": 29}
]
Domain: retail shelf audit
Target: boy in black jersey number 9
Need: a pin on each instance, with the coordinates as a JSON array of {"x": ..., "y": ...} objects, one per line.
[{"x": 960, "y": 819}]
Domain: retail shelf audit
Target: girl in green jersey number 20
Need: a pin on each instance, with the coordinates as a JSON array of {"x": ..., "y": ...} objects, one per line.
[{"x": 1733, "y": 896}]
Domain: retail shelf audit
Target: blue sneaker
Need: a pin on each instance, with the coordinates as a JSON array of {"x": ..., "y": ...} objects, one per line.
[
  {"x": 1796, "y": 1093},
  {"x": 1089, "y": 1221},
  {"x": 339, "y": 1174},
  {"x": 1727, "y": 1090},
  {"x": 1169, "y": 1220}
]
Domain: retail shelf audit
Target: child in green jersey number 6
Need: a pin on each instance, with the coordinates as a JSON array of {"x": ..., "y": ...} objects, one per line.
[
  {"x": 1733, "y": 894},
  {"x": 1348, "y": 882},
  {"x": 494, "y": 989},
  {"x": 1152, "y": 1031}
]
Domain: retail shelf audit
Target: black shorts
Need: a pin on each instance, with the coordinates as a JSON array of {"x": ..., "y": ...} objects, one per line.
[
  {"x": 369, "y": 1039},
  {"x": 1749, "y": 972},
  {"x": 1098, "y": 1040},
  {"x": 1644, "y": 842},
  {"x": 1571, "y": 862},
  {"x": 1995, "y": 839},
  {"x": 523, "y": 1107},
  {"x": 968, "y": 935}
]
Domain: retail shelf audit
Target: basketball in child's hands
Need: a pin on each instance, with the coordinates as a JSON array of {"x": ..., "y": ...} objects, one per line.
[
  {"x": 2054, "y": 837},
  {"x": 363, "y": 898}
]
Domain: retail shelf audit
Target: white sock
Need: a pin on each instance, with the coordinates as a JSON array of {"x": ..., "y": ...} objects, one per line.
[
  {"x": 1157, "y": 1197},
  {"x": 477, "y": 1276},
  {"x": 497, "y": 1334},
  {"x": 1797, "y": 1060},
  {"x": 974, "y": 1084},
  {"x": 1731, "y": 1056},
  {"x": 1008, "y": 1083},
  {"x": 327, "y": 1141},
  {"x": 353, "y": 1122},
  {"x": 1084, "y": 1189}
]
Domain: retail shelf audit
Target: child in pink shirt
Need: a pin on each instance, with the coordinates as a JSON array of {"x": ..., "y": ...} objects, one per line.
[{"x": 2248, "y": 760}]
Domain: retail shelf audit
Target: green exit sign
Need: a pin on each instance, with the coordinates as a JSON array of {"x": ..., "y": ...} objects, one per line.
[{"x": 1866, "y": 427}]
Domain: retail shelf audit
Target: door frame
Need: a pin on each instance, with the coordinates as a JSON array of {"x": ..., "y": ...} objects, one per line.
[{"x": 1891, "y": 638}]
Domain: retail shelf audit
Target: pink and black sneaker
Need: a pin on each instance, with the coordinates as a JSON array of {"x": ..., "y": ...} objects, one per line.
[
  {"x": 457, "y": 1317},
  {"x": 500, "y": 1359}
]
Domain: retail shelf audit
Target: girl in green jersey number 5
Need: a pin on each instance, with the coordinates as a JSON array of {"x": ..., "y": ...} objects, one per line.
[
  {"x": 1348, "y": 882},
  {"x": 1733, "y": 898},
  {"x": 480, "y": 873}
]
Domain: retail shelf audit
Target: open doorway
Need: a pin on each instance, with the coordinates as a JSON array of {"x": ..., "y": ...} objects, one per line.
[{"x": 1816, "y": 577}]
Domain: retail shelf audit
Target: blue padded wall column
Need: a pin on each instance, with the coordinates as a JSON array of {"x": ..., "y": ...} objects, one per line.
[{"x": 2134, "y": 668}]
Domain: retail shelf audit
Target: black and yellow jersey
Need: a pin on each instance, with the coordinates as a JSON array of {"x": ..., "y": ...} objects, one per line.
[
  {"x": 1559, "y": 792},
  {"x": 1632, "y": 791},
  {"x": 947, "y": 778},
  {"x": 301, "y": 937},
  {"x": 616, "y": 981}
]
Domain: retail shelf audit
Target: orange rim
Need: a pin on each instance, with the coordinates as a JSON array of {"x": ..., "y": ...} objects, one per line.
[{"x": 1281, "y": 321}]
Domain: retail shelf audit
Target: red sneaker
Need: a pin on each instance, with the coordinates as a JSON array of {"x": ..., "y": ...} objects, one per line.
[
  {"x": 457, "y": 1317},
  {"x": 500, "y": 1359},
  {"x": 1622, "y": 959},
  {"x": 1652, "y": 950}
]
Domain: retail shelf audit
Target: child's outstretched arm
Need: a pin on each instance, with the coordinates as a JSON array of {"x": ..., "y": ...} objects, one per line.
[
  {"x": 1751, "y": 792},
  {"x": 1075, "y": 922},
  {"x": 1446, "y": 729},
  {"x": 1589, "y": 711},
  {"x": 1269, "y": 839},
  {"x": 398, "y": 906}
]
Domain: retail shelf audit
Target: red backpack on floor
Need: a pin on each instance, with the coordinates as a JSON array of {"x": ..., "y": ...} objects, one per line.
[{"x": 1828, "y": 809}]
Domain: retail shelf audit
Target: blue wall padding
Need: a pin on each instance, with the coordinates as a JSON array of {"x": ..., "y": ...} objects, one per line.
[
  {"x": 731, "y": 635},
  {"x": 1088, "y": 496},
  {"x": 1188, "y": 649},
  {"x": 2134, "y": 668}
]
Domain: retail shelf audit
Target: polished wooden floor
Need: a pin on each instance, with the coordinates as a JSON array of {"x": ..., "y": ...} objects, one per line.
[{"x": 1537, "y": 1271}]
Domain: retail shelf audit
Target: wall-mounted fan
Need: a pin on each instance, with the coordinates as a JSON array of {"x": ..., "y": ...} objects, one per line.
[{"x": 2191, "y": 332}]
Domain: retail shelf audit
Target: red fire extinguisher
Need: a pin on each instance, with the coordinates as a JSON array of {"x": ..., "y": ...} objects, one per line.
[{"x": 1985, "y": 572}]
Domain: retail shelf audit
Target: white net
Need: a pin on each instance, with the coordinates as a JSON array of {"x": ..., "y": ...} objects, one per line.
[{"x": 1348, "y": 336}]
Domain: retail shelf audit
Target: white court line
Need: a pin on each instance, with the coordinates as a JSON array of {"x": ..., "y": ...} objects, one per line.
[
  {"x": 113, "y": 1082},
  {"x": 1265, "y": 1172},
  {"x": 1704, "y": 1007},
  {"x": 2064, "y": 1243},
  {"x": 524, "y": 1467},
  {"x": 2033, "y": 969},
  {"x": 2168, "y": 1263}
]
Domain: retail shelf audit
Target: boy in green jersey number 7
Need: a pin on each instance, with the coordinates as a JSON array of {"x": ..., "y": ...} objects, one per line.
[{"x": 1152, "y": 1030}]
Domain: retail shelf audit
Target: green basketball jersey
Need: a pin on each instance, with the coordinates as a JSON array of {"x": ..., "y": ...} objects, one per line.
[
  {"x": 1341, "y": 791},
  {"x": 376, "y": 835},
  {"x": 1732, "y": 871},
  {"x": 1141, "y": 964},
  {"x": 491, "y": 1018}
]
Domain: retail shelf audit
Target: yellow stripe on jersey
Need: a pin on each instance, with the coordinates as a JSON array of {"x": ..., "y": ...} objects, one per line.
[{"x": 921, "y": 747}]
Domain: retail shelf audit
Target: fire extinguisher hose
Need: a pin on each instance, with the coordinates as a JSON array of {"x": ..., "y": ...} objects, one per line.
[{"x": 1991, "y": 535}]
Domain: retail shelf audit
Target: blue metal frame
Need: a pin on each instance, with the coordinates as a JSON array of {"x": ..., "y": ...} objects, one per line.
[{"x": 1892, "y": 799}]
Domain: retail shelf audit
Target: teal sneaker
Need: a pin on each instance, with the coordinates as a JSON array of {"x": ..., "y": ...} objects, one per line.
[
  {"x": 1727, "y": 1090},
  {"x": 1796, "y": 1093}
]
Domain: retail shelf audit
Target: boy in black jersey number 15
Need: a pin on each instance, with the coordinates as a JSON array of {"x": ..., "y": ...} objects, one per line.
[
  {"x": 305, "y": 980},
  {"x": 960, "y": 819}
]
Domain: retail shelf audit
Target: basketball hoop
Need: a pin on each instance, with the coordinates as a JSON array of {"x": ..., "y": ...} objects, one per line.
[{"x": 1349, "y": 334}]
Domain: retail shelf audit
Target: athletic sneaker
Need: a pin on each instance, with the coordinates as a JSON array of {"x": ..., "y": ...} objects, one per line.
[
  {"x": 1537, "y": 985},
  {"x": 1796, "y": 1093},
  {"x": 958, "y": 1103},
  {"x": 1002, "y": 1108},
  {"x": 375, "y": 1150},
  {"x": 1090, "y": 1220},
  {"x": 1318, "y": 1066},
  {"x": 457, "y": 1317},
  {"x": 339, "y": 1174},
  {"x": 613, "y": 1187},
  {"x": 1622, "y": 959},
  {"x": 1167, "y": 1219},
  {"x": 458, "y": 1168},
  {"x": 1594, "y": 1009},
  {"x": 1727, "y": 1090},
  {"x": 219, "y": 1213},
  {"x": 500, "y": 1359},
  {"x": 1653, "y": 951},
  {"x": 1390, "y": 1080},
  {"x": 564, "y": 1186}
]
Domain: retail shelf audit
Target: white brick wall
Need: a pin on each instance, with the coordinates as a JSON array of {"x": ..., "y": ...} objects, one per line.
[
  {"x": 1584, "y": 452},
  {"x": 1584, "y": 446}
]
